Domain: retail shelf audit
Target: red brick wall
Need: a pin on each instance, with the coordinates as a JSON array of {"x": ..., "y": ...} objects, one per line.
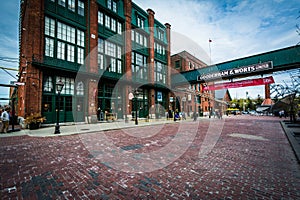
[
  {"x": 128, "y": 47},
  {"x": 32, "y": 40}
]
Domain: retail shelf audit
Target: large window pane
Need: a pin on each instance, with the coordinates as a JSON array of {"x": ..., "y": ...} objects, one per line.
[
  {"x": 80, "y": 38},
  {"x": 49, "y": 27},
  {"x": 100, "y": 17},
  {"x": 61, "y": 50},
  {"x": 71, "y": 53},
  {"x": 48, "y": 84},
  {"x": 49, "y": 47},
  {"x": 62, "y": 2},
  {"x": 71, "y": 5},
  {"x": 80, "y": 56},
  {"x": 80, "y": 7}
]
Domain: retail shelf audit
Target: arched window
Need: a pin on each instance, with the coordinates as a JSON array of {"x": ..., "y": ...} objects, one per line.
[{"x": 80, "y": 88}]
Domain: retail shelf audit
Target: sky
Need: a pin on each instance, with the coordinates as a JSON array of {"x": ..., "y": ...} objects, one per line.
[
  {"x": 236, "y": 28},
  {"x": 9, "y": 42}
]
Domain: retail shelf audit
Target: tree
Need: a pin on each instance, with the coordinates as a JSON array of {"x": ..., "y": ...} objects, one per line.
[{"x": 289, "y": 93}]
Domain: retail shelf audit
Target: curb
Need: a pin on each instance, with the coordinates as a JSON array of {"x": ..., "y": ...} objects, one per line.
[{"x": 293, "y": 142}]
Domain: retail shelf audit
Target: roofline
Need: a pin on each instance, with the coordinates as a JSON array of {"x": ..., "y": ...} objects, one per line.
[{"x": 184, "y": 51}]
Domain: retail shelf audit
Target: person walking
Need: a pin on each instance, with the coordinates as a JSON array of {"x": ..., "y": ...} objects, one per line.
[{"x": 5, "y": 120}]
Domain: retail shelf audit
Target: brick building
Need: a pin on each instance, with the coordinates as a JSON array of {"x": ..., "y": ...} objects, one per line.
[
  {"x": 102, "y": 50},
  {"x": 192, "y": 97}
]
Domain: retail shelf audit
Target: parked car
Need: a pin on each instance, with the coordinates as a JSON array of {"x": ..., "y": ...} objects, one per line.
[{"x": 252, "y": 112}]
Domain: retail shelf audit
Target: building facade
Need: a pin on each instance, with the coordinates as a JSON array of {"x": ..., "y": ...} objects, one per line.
[
  {"x": 192, "y": 98},
  {"x": 102, "y": 51}
]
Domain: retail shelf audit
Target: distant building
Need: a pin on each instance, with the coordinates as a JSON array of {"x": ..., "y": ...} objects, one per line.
[
  {"x": 223, "y": 99},
  {"x": 192, "y": 97}
]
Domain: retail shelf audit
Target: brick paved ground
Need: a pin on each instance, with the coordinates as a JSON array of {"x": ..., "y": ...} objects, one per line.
[{"x": 251, "y": 159}]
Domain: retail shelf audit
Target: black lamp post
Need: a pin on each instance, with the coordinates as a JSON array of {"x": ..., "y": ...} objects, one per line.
[
  {"x": 209, "y": 108},
  {"x": 59, "y": 87},
  {"x": 136, "y": 93}
]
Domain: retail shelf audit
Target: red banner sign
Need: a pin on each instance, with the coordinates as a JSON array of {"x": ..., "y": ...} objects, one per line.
[{"x": 244, "y": 83}]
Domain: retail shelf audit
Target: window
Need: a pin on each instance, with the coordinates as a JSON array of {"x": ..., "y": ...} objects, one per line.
[
  {"x": 49, "y": 27},
  {"x": 190, "y": 65},
  {"x": 47, "y": 103},
  {"x": 69, "y": 42},
  {"x": 177, "y": 64},
  {"x": 61, "y": 31},
  {"x": 112, "y": 5},
  {"x": 139, "y": 66},
  {"x": 49, "y": 47},
  {"x": 139, "y": 38},
  {"x": 107, "y": 21},
  {"x": 109, "y": 4},
  {"x": 68, "y": 85},
  {"x": 48, "y": 84},
  {"x": 68, "y": 103},
  {"x": 61, "y": 50},
  {"x": 119, "y": 52},
  {"x": 109, "y": 56},
  {"x": 100, "y": 53},
  {"x": 100, "y": 61},
  {"x": 112, "y": 67},
  {"x": 100, "y": 45},
  {"x": 160, "y": 34},
  {"x": 100, "y": 18},
  {"x": 71, "y": 53},
  {"x": 71, "y": 5},
  {"x": 80, "y": 56},
  {"x": 159, "y": 49},
  {"x": 62, "y": 2},
  {"x": 113, "y": 25},
  {"x": 119, "y": 67},
  {"x": 119, "y": 28},
  {"x": 80, "y": 7},
  {"x": 160, "y": 72},
  {"x": 140, "y": 21},
  {"x": 80, "y": 88},
  {"x": 80, "y": 38},
  {"x": 110, "y": 49}
]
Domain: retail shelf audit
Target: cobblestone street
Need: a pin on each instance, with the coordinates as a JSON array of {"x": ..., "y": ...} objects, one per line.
[{"x": 247, "y": 158}]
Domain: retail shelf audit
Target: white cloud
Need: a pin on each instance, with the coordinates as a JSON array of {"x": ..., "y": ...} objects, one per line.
[{"x": 237, "y": 28}]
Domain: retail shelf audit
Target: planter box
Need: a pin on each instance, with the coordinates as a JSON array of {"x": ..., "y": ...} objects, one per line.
[{"x": 33, "y": 126}]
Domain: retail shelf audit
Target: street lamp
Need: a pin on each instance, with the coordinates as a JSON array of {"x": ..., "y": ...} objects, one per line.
[
  {"x": 59, "y": 87},
  {"x": 136, "y": 93},
  {"x": 209, "y": 109}
]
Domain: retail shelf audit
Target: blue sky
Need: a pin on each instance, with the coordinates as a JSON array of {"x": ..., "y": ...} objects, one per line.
[
  {"x": 9, "y": 45},
  {"x": 237, "y": 29}
]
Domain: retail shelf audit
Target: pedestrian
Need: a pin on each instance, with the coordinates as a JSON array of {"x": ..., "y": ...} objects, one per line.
[
  {"x": 183, "y": 115},
  {"x": 5, "y": 120},
  {"x": 176, "y": 116},
  {"x": 1, "y": 124},
  {"x": 170, "y": 114},
  {"x": 195, "y": 116}
]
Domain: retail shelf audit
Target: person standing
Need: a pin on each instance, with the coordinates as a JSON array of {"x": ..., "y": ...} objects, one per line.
[{"x": 5, "y": 120}]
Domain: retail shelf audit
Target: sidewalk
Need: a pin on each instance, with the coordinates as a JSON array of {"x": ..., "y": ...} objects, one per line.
[
  {"x": 292, "y": 131},
  {"x": 79, "y": 128}
]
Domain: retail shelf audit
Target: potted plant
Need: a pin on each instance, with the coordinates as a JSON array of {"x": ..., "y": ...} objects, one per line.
[{"x": 34, "y": 121}]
